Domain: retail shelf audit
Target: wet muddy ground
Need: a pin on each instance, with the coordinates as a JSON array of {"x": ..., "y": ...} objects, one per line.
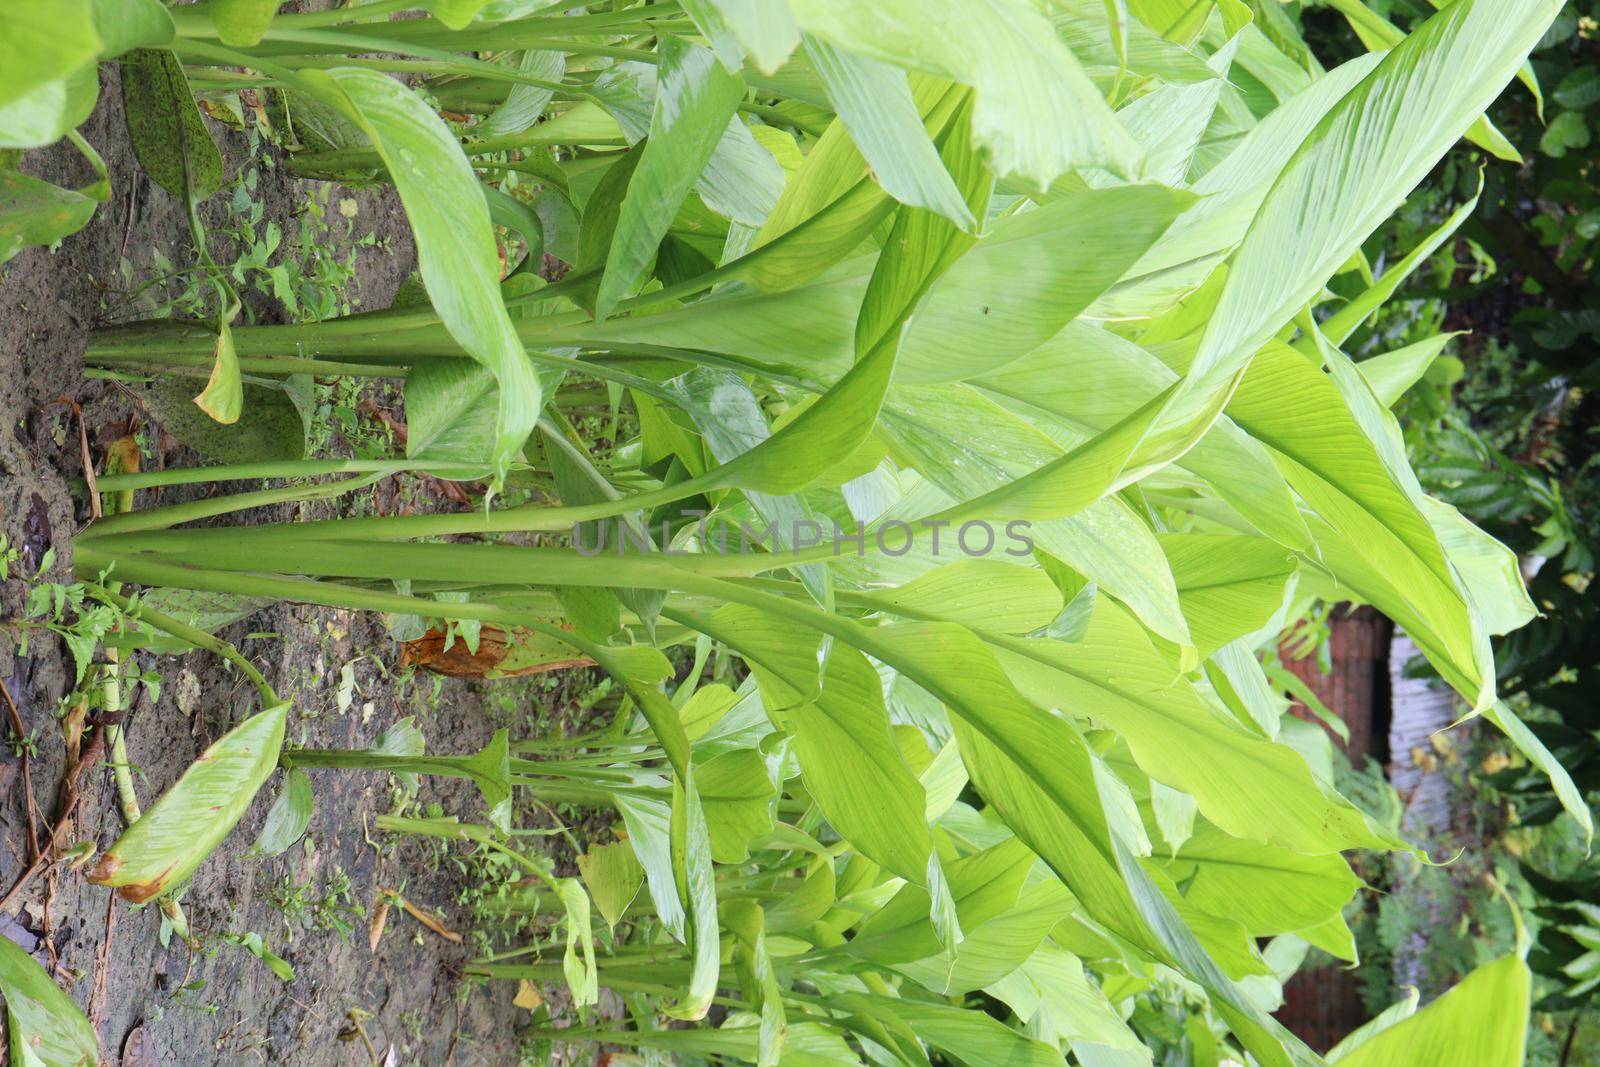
[{"x": 221, "y": 1004}]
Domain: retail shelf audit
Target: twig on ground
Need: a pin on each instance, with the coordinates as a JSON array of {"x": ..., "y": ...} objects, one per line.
[
  {"x": 102, "y": 967},
  {"x": 27, "y": 778},
  {"x": 421, "y": 916},
  {"x": 68, "y": 798}
]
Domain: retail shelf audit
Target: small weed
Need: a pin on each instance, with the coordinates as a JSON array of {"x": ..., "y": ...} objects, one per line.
[
  {"x": 9, "y": 557},
  {"x": 310, "y": 271},
  {"x": 310, "y": 907}
]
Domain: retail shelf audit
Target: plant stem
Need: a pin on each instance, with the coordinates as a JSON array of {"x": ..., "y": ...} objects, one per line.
[
  {"x": 183, "y": 631},
  {"x": 122, "y": 773},
  {"x": 361, "y": 760},
  {"x": 341, "y": 15},
  {"x": 194, "y": 510},
  {"x": 287, "y": 468},
  {"x": 456, "y": 831}
]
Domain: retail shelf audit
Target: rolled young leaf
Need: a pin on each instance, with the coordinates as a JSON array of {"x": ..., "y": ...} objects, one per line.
[{"x": 160, "y": 851}]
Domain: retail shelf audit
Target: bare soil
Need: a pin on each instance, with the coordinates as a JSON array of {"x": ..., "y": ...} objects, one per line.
[{"x": 220, "y": 1005}]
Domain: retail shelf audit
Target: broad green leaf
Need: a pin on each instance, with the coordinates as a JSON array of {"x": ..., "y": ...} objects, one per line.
[
  {"x": 640, "y": 669},
  {"x": 1173, "y": 812},
  {"x": 989, "y": 952},
  {"x": 47, "y": 112},
  {"x": 1360, "y": 163},
  {"x": 161, "y": 850},
  {"x": 732, "y": 423},
  {"x": 1085, "y": 28},
  {"x": 1033, "y": 273},
  {"x": 579, "y": 481},
  {"x": 240, "y": 23},
  {"x": 524, "y": 104},
  {"x": 1176, "y": 20},
  {"x": 923, "y": 245},
  {"x": 1482, "y": 1021},
  {"x": 982, "y": 886},
  {"x": 1038, "y": 773},
  {"x": 42, "y": 42},
  {"x": 34, "y": 212},
  {"x": 804, "y": 906},
  {"x": 1379, "y": 34},
  {"x": 1170, "y": 121},
  {"x": 455, "y": 14},
  {"x": 223, "y": 396},
  {"x": 1030, "y": 765},
  {"x": 986, "y": 593},
  {"x": 1230, "y": 195},
  {"x": 1249, "y": 786},
  {"x": 827, "y": 209},
  {"x": 1229, "y": 586},
  {"x": 703, "y": 710},
  {"x": 805, "y": 448},
  {"x": 811, "y": 326},
  {"x": 128, "y": 24},
  {"x": 738, "y": 798},
  {"x": 874, "y": 102},
  {"x": 42, "y": 1019},
  {"x": 517, "y": 216},
  {"x": 1270, "y": 890},
  {"x": 1398, "y": 1012},
  {"x": 765, "y": 28},
  {"x": 852, "y": 766},
  {"x": 1392, "y": 374},
  {"x": 1341, "y": 324},
  {"x": 649, "y": 835},
  {"x": 967, "y": 446},
  {"x": 613, "y": 874},
  {"x": 1060, "y": 1002},
  {"x": 1240, "y": 681},
  {"x": 694, "y": 100},
  {"x": 740, "y": 180},
  {"x": 1037, "y": 113},
  {"x": 165, "y": 127},
  {"x": 490, "y": 771},
  {"x": 289, "y": 815},
  {"x": 969, "y": 1036},
  {"x": 1044, "y": 385},
  {"x": 1287, "y": 403},
  {"x": 746, "y": 920},
  {"x": 455, "y": 241},
  {"x": 1489, "y": 572},
  {"x": 451, "y": 410}
]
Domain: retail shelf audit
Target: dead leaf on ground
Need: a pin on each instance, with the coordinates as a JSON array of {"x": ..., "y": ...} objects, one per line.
[
  {"x": 139, "y": 1050},
  {"x": 422, "y": 917},
  {"x": 380, "y": 916},
  {"x": 498, "y": 655}
]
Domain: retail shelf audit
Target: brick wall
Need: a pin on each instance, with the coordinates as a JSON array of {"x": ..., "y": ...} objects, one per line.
[{"x": 1322, "y": 1005}]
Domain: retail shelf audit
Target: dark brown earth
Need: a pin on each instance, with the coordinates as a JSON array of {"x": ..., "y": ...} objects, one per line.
[{"x": 221, "y": 1005}]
